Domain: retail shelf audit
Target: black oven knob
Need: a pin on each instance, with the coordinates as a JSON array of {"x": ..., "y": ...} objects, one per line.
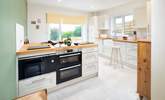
[{"x": 52, "y": 61}]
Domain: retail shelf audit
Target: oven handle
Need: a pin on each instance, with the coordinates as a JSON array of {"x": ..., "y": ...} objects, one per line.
[
  {"x": 70, "y": 67},
  {"x": 70, "y": 55}
]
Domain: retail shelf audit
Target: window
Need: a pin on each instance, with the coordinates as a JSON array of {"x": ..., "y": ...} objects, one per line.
[
  {"x": 124, "y": 25},
  {"x": 118, "y": 25},
  {"x": 54, "y": 32},
  {"x": 128, "y": 25},
  {"x": 63, "y": 26},
  {"x": 63, "y": 31},
  {"x": 72, "y": 31}
]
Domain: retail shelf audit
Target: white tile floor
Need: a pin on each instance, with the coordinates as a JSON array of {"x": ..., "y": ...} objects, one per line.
[{"x": 112, "y": 84}]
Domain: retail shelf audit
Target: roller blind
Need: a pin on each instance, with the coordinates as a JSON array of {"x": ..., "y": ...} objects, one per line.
[{"x": 65, "y": 19}]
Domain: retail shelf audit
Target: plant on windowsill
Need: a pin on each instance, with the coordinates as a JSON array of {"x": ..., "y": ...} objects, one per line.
[{"x": 68, "y": 41}]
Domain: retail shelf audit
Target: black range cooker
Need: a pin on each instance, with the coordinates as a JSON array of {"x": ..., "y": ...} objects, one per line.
[{"x": 67, "y": 66}]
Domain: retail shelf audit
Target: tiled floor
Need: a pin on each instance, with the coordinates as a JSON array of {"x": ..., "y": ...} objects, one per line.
[{"x": 112, "y": 84}]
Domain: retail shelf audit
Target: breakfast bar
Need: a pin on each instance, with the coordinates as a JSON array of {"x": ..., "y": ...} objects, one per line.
[{"x": 143, "y": 62}]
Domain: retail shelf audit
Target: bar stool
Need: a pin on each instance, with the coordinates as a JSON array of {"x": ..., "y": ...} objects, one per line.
[{"x": 116, "y": 57}]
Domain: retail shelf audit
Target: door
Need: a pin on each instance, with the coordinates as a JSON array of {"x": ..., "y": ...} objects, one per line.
[
  {"x": 30, "y": 67},
  {"x": 68, "y": 73},
  {"x": 70, "y": 59}
]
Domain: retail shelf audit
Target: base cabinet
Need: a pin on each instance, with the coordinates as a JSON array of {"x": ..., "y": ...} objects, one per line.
[
  {"x": 144, "y": 70},
  {"x": 37, "y": 83},
  {"x": 89, "y": 61},
  {"x": 48, "y": 81}
]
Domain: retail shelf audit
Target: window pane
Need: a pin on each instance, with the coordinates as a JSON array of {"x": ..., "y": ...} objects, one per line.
[
  {"x": 129, "y": 18},
  {"x": 119, "y": 20},
  {"x": 129, "y": 25},
  {"x": 54, "y": 31},
  {"x": 72, "y": 31},
  {"x": 118, "y": 26}
]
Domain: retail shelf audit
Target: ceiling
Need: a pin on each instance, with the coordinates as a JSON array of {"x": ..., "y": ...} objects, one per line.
[{"x": 83, "y": 5}]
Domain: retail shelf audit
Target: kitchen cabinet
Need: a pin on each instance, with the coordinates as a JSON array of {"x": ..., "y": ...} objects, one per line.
[
  {"x": 140, "y": 18},
  {"x": 37, "y": 83},
  {"x": 89, "y": 61},
  {"x": 92, "y": 28},
  {"x": 103, "y": 22},
  {"x": 144, "y": 70},
  {"x": 49, "y": 80}
]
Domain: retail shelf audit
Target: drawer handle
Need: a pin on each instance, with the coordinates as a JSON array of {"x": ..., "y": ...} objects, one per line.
[{"x": 39, "y": 80}]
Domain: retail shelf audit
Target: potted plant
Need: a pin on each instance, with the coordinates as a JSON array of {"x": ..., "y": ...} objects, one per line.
[{"x": 68, "y": 41}]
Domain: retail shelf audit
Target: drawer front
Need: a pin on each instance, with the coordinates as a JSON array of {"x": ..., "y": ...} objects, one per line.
[
  {"x": 89, "y": 58},
  {"x": 52, "y": 80},
  {"x": 90, "y": 69},
  {"x": 88, "y": 50},
  {"x": 37, "y": 83}
]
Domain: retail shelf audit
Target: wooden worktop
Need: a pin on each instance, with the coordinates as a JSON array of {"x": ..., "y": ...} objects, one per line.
[
  {"x": 122, "y": 40},
  {"x": 24, "y": 51}
]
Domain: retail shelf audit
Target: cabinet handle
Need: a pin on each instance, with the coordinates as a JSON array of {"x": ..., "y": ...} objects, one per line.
[{"x": 39, "y": 80}]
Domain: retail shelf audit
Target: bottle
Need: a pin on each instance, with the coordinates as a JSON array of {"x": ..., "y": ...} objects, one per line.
[
  {"x": 26, "y": 41},
  {"x": 135, "y": 35}
]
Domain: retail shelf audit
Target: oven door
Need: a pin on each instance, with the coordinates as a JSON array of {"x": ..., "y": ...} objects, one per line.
[
  {"x": 68, "y": 73},
  {"x": 70, "y": 59},
  {"x": 31, "y": 67}
]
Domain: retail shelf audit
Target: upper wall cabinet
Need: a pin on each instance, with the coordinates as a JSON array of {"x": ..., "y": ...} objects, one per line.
[
  {"x": 103, "y": 22},
  {"x": 93, "y": 28},
  {"x": 140, "y": 18}
]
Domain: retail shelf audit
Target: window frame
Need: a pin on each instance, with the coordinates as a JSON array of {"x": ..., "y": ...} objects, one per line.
[
  {"x": 61, "y": 30},
  {"x": 123, "y": 29}
]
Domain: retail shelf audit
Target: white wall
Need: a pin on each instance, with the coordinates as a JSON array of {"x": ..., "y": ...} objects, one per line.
[
  {"x": 39, "y": 11},
  {"x": 158, "y": 49},
  {"x": 138, "y": 8},
  {"x": 124, "y": 9}
]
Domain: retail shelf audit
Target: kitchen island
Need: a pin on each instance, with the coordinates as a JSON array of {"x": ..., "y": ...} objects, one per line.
[
  {"x": 53, "y": 68},
  {"x": 136, "y": 54},
  {"x": 128, "y": 49}
]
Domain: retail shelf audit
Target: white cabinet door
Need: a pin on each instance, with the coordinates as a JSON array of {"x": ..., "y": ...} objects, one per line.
[
  {"x": 89, "y": 50},
  {"x": 52, "y": 80},
  {"x": 90, "y": 69},
  {"x": 89, "y": 63},
  {"x": 140, "y": 17},
  {"x": 89, "y": 58},
  {"x": 104, "y": 22},
  {"x": 37, "y": 83}
]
